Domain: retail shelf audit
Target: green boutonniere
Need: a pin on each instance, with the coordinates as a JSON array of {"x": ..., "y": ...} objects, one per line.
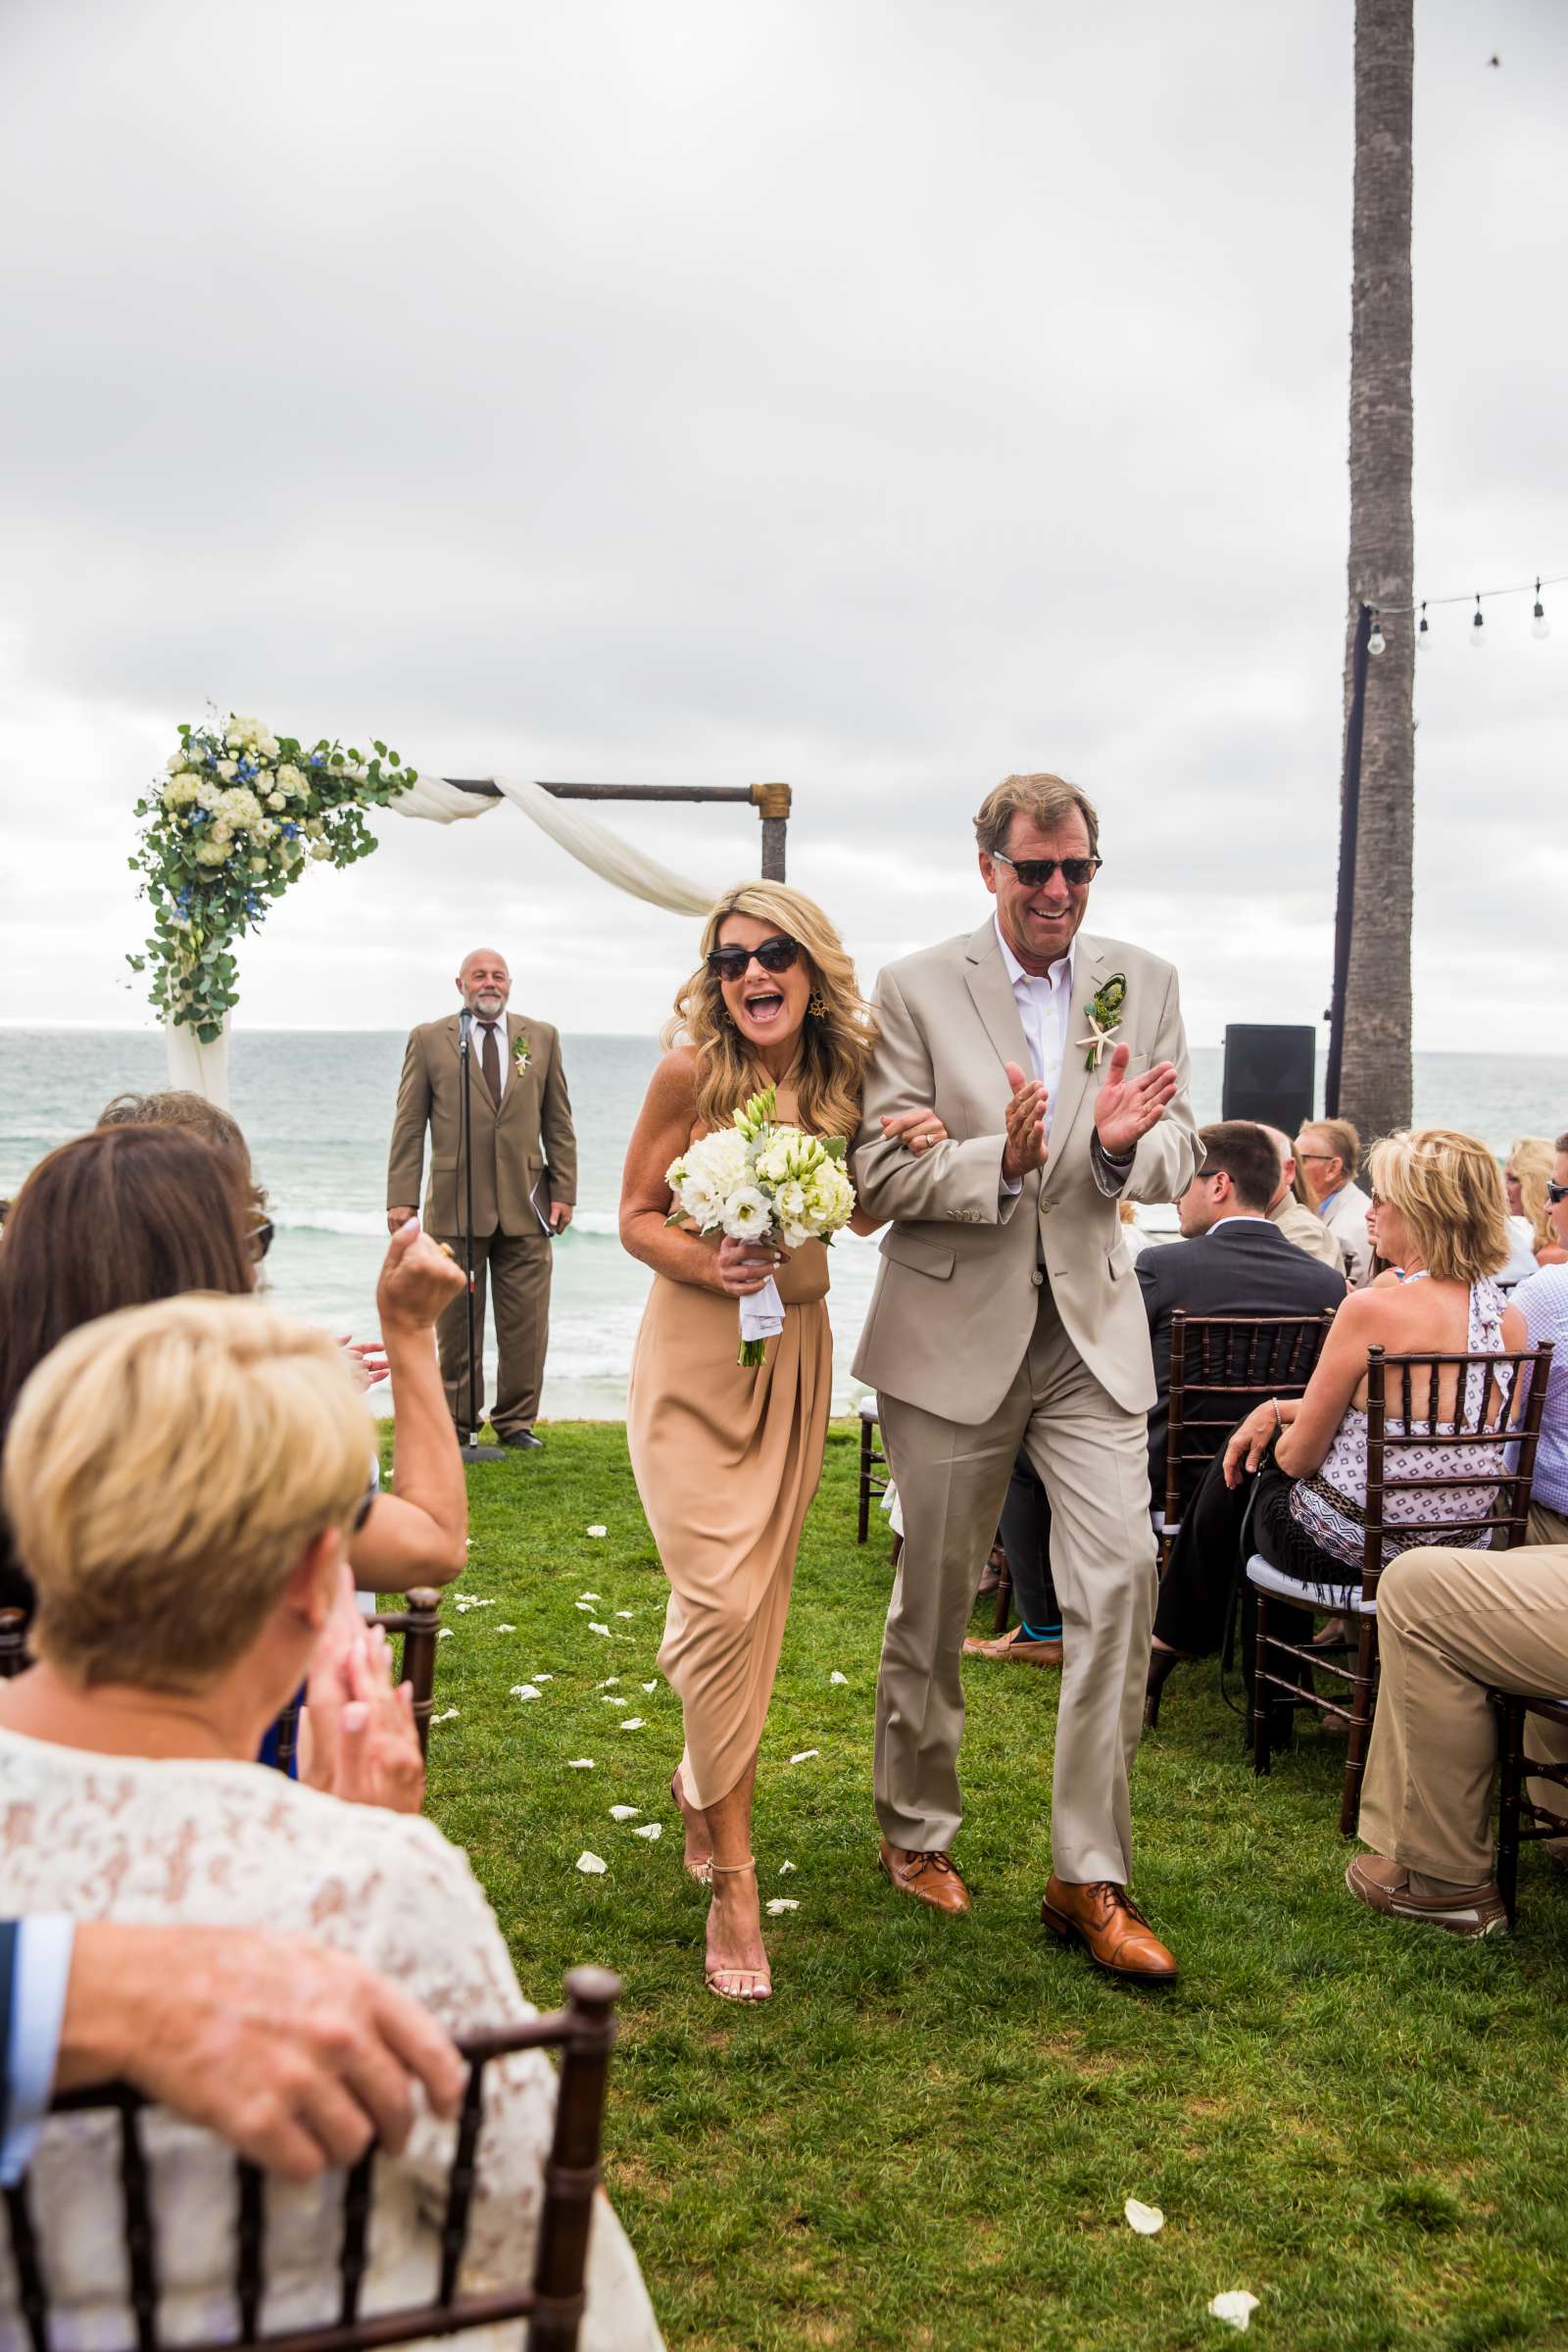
[
  {"x": 520, "y": 1051},
  {"x": 1105, "y": 1019}
]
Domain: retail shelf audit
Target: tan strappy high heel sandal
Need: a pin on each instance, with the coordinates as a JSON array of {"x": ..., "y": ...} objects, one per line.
[
  {"x": 738, "y": 1984},
  {"x": 700, "y": 1872}
]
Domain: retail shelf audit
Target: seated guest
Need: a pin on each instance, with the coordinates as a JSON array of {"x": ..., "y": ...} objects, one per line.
[
  {"x": 1527, "y": 1174},
  {"x": 1542, "y": 1301},
  {"x": 132, "y": 1213},
  {"x": 184, "y": 1576},
  {"x": 1230, "y": 1261},
  {"x": 1289, "y": 1213},
  {"x": 1025, "y": 1539},
  {"x": 1438, "y": 1219},
  {"x": 1553, "y": 1251},
  {"x": 1328, "y": 1153},
  {"x": 1450, "y": 1625},
  {"x": 296, "y": 2056}
]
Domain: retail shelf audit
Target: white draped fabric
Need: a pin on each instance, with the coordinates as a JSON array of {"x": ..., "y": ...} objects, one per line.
[{"x": 204, "y": 1069}]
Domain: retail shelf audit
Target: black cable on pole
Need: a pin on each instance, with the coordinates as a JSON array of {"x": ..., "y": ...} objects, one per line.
[{"x": 1350, "y": 819}]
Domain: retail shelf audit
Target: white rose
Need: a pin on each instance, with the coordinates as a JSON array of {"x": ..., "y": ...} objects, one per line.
[
  {"x": 289, "y": 780},
  {"x": 178, "y": 791},
  {"x": 175, "y": 763},
  {"x": 229, "y": 769},
  {"x": 320, "y": 849},
  {"x": 258, "y": 865},
  {"x": 277, "y": 799},
  {"x": 211, "y": 852},
  {"x": 207, "y": 792},
  {"x": 747, "y": 1215},
  {"x": 267, "y": 745},
  {"x": 315, "y": 827},
  {"x": 222, "y": 831}
]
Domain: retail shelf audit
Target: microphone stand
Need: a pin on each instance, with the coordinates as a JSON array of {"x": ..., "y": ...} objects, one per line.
[{"x": 470, "y": 1448}]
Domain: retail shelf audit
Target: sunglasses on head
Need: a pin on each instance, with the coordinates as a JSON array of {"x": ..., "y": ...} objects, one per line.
[
  {"x": 775, "y": 955},
  {"x": 1034, "y": 872},
  {"x": 1556, "y": 1192}
]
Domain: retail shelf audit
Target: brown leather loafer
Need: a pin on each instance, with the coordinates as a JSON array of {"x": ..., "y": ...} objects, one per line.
[
  {"x": 1014, "y": 1645},
  {"x": 931, "y": 1879},
  {"x": 1111, "y": 1928}
]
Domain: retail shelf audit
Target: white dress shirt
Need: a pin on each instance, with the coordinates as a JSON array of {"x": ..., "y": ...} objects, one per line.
[
  {"x": 1045, "y": 1004},
  {"x": 41, "y": 1963}
]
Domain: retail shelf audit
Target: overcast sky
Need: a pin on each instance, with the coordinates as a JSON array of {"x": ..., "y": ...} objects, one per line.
[{"x": 877, "y": 394}]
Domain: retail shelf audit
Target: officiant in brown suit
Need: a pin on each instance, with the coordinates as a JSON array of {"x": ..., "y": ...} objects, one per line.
[{"x": 524, "y": 1183}]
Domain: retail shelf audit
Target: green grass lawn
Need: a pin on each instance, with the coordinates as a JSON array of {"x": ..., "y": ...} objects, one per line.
[{"x": 928, "y": 2135}]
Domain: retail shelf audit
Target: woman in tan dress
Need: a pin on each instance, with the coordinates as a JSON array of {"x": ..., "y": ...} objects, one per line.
[{"x": 728, "y": 1457}]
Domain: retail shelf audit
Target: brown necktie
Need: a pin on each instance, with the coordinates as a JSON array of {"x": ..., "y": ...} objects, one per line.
[{"x": 490, "y": 1060}]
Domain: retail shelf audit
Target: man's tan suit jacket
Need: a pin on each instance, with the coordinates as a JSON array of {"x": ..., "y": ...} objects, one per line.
[
  {"x": 958, "y": 1287},
  {"x": 513, "y": 1148}
]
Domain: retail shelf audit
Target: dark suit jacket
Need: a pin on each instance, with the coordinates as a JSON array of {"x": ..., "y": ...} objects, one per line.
[{"x": 1244, "y": 1267}]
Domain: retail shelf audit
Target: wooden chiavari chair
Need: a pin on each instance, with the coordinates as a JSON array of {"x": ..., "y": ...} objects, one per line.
[{"x": 1221, "y": 1368}]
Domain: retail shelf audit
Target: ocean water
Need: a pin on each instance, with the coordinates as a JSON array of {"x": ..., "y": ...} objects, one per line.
[{"x": 317, "y": 1106}]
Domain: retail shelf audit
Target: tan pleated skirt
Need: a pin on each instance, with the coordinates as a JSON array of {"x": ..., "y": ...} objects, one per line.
[{"x": 726, "y": 1462}]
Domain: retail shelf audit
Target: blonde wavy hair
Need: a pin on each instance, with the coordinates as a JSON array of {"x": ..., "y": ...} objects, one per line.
[
  {"x": 1531, "y": 1159},
  {"x": 1448, "y": 1187},
  {"x": 163, "y": 1471},
  {"x": 830, "y": 1077}
]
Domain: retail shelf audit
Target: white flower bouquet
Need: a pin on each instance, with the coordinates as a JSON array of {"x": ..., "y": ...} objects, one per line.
[{"x": 760, "y": 1182}]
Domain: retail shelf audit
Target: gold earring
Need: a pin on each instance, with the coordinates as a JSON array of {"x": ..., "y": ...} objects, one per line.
[{"x": 816, "y": 1003}]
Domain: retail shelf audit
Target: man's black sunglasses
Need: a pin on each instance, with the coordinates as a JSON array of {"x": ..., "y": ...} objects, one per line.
[
  {"x": 775, "y": 955},
  {"x": 1556, "y": 1192},
  {"x": 1034, "y": 872}
]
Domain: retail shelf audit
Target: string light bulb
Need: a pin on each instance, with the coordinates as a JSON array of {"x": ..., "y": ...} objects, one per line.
[
  {"x": 1477, "y": 630},
  {"x": 1377, "y": 643},
  {"x": 1539, "y": 625},
  {"x": 1423, "y": 632}
]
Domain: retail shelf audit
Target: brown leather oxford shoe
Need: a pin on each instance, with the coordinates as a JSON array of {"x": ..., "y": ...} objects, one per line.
[
  {"x": 932, "y": 1879},
  {"x": 1113, "y": 1932}
]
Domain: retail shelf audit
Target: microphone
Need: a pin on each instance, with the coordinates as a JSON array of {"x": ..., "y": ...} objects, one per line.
[{"x": 464, "y": 1030}]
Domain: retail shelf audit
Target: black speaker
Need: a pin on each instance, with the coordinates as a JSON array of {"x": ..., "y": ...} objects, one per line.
[{"x": 1270, "y": 1074}]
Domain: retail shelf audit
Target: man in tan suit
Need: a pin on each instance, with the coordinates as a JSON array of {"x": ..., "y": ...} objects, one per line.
[
  {"x": 1302, "y": 1226},
  {"x": 1006, "y": 1310},
  {"x": 524, "y": 1182}
]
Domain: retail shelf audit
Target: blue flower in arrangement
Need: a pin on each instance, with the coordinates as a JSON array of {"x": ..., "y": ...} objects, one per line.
[
  {"x": 199, "y": 816},
  {"x": 315, "y": 758},
  {"x": 246, "y": 769},
  {"x": 290, "y": 832}
]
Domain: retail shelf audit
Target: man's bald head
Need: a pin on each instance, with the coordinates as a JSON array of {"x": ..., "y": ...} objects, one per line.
[
  {"x": 484, "y": 982},
  {"x": 1287, "y": 1152}
]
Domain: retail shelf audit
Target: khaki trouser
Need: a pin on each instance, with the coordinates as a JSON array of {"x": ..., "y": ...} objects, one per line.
[
  {"x": 1093, "y": 1456},
  {"x": 1450, "y": 1623},
  {"x": 516, "y": 1268}
]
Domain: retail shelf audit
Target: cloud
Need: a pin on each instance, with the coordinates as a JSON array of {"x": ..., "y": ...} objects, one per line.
[{"x": 879, "y": 398}]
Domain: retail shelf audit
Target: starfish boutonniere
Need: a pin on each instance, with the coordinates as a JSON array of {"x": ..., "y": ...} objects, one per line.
[
  {"x": 520, "y": 1051},
  {"x": 1105, "y": 1019}
]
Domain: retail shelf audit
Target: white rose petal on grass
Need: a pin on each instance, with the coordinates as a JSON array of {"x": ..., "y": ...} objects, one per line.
[
  {"x": 806, "y": 1755},
  {"x": 586, "y": 1606},
  {"x": 607, "y": 1698},
  {"x": 544, "y": 1678},
  {"x": 1145, "y": 2218},
  {"x": 444, "y": 1634},
  {"x": 579, "y": 1763},
  {"x": 633, "y": 1723},
  {"x": 836, "y": 1677},
  {"x": 504, "y": 1628},
  {"x": 611, "y": 1682},
  {"x": 624, "y": 1812},
  {"x": 625, "y": 1612},
  {"x": 587, "y": 1595},
  {"x": 650, "y": 1829},
  {"x": 526, "y": 1691},
  {"x": 445, "y": 1717},
  {"x": 784, "y": 1866},
  {"x": 597, "y": 1629},
  {"x": 591, "y": 1866},
  {"x": 781, "y": 1902},
  {"x": 1235, "y": 2307},
  {"x": 653, "y": 1686},
  {"x": 598, "y": 1531}
]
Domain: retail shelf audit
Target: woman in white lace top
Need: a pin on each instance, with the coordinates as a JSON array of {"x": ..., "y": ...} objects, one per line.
[
  {"x": 1440, "y": 1221},
  {"x": 181, "y": 1479}
]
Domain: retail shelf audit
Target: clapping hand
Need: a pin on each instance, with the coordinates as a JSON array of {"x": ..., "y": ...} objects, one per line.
[
  {"x": 1125, "y": 1109},
  {"x": 419, "y": 1279},
  {"x": 367, "y": 1358},
  {"x": 361, "y": 1744},
  {"x": 1025, "y": 1149}
]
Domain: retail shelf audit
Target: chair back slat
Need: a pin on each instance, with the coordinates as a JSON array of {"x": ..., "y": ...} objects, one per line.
[
  {"x": 459, "y": 2184},
  {"x": 572, "y": 2171},
  {"x": 141, "y": 2247},
  {"x": 250, "y": 2236},
  {"x": 1489, "y": 1409},
  {"x": 356, "y": 2235},
  {"x": 30, "y": 2291}
]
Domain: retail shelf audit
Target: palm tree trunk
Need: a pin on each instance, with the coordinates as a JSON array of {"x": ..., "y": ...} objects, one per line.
[{"x": 1375, "y": 1015}]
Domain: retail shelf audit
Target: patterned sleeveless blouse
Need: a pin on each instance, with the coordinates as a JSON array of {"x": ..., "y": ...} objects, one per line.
[{"x": 1330, "y": 1504}]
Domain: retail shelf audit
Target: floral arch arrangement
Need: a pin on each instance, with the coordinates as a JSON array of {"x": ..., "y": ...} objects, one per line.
[{"x": 240, "y": 816}]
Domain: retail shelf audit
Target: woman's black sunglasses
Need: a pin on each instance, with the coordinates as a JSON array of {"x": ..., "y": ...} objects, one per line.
[{"x": 775, "y": 955}]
